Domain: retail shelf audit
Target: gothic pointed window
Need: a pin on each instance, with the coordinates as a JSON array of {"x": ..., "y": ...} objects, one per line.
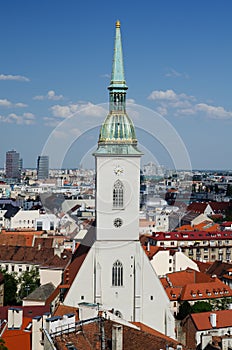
[
  {"x": 117, "y": 274},
  {"x": 118, "y": 194}
]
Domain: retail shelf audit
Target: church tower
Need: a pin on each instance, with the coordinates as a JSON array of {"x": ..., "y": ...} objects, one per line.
[
  {"x": 117, "y": 163},
  {"x": 114, "y": 271}
]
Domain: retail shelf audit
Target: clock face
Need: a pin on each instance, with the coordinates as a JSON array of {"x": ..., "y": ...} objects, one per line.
[
  {"x": 118, "y": 222},
  {"x": 118, "y": 170}
]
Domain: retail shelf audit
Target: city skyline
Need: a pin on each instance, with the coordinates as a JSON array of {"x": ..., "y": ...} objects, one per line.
[{"x": 56, "y": 62}]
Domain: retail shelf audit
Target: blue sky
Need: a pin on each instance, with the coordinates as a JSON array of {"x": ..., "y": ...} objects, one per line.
[{"x": 56, "y": 58}]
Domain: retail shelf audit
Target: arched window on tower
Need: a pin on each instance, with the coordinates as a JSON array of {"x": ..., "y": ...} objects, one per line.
[
  {"x": 118, "y": 194},
  {"x": 117, "y": 274}
]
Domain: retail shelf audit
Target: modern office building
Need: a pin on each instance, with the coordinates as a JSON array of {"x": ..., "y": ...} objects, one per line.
[
  {"x": 42, "y": 167},
  {"x": 12, "y": 165}
]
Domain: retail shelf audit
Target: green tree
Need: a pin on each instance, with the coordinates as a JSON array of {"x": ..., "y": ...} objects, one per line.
[
  {"x": 229, "y": 190},
  {"x": 201, "y": 306},
  {"x": 184, "y": 310},
  {"x": 2, "y": 344},
  {"x": 221, "y": 304},
  {"x": 29, "y": 281},
  {"x": 10, "y": 288}
]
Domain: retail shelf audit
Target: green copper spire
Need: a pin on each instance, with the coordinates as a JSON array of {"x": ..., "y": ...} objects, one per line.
[
  {"x": 117, "y": 134},
  {"x": 117, "y": 76}
]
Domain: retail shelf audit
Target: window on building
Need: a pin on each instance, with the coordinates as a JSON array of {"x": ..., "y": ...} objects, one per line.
[
  {"x": 117, "y": 274},
  {"x": 118, "y": 194},
  {"x": 51, "y": 225},
  {"x": 39, "y": 226},
  {"x": 20, "y": 268},
  {"x": 12, "y": 268}
]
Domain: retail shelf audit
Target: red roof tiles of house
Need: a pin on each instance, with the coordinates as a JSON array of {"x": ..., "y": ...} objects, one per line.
[
  {"x": 191, "y": 236},
  {"x": 25, "y": 254},
  {"x": 15, "y": 239},
  {"x": 18, "y": 338},
  {"x": 202, "y": 320},
  {"x": 197, "y": 207},
  {"x": 28, "y": 311},
  {"x": 72, "y": 270},
  {"x": 62, "y": 310},
  {"x": 181, "y": 278},
  {"x": 202, "y": 291},
  {"x": 219, "y": 268},
  {"x": 152, "y": 251},
  {"x": 133, "y": 339},
  {"x": 203, "y": 266}
]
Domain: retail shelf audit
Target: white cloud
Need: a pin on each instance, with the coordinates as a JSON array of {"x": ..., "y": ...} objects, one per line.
[
  {"x": 106, "y": 76},
  {"x": 13, "y": 118},
  {"x": 130, "y": 100},
  {"x": 168, "y": 95},
  {"x": 172, "y": 73},
  {"x": 13, "y": 77},
  {"x": 51, "y": 95},
  {"x": 87, "y": 108},
  {"x": 162, "y": 95},
  {"x": 214, "y": 111},
  {"x": 20, "y": 105},
  {"x": 162, "y": 110},
  {"x": 6, "y": 103},
  {"x": 53, "y": 122}
]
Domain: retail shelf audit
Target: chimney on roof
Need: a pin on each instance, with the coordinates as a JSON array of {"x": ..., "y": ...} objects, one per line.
[
  {"x": 213, "y": 320},
  {"x": 148, "y": 246},
  {"x": 15, "y": 318},
  {"x": 117, "y": 337}
]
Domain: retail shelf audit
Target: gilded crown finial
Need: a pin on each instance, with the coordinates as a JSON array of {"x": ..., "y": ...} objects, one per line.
[{"x": 118, "y": 24}]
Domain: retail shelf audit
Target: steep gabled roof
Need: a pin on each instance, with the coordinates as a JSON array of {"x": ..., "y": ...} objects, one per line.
[
  {"x": 219, "y": 268},
  {"x": 198, "y": 207},
  {"x": 18, "y": 338},
  {"x": 181, "y": 278},
  {"x": 202, "y": 320},
  {"x": 78, "y": 259},
  {"x": 42, "y": 293}
]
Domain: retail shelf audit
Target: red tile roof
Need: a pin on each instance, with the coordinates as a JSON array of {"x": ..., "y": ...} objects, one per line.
[
  {"x": 18, "y": 338},
  {"x": 72, "y": 269},
  {"x": 62, "y": 310},
  {"x": 197, "y": 207},
  {"x": 25, "y": 254},
  {"x": 191, "y": 236},
  {"x": 202, "y": 291},
  {"x": 202, "y": 320},
  {"x": 181, "y": 278},
  {"x": 133, "y": 339}
]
